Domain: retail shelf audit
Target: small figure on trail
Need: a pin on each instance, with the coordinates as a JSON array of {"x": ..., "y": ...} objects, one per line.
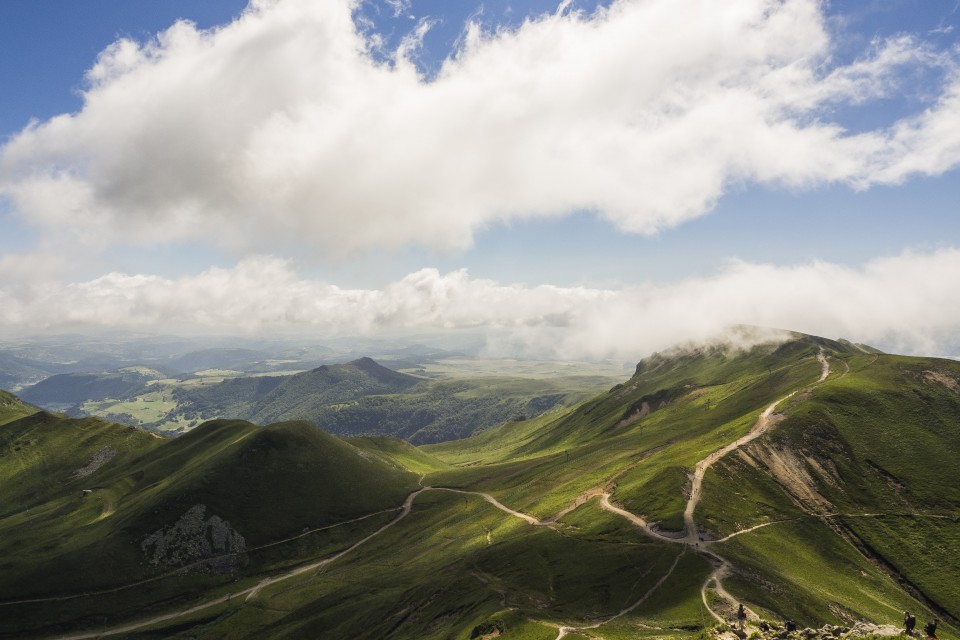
[
  {"x": 931, "y": 629},
  {"x": 790, "y": 625},
  {"x": 909, "y": 622},
  {"x": 741, "y": 616}
]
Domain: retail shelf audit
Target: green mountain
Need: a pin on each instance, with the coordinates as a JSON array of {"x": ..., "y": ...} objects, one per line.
[
  {"x": 809, "y": 479},
  {"x": 272, "y": 398},
  {"x": 90, "y": 507},
  {"x": 364, "y": 398}
]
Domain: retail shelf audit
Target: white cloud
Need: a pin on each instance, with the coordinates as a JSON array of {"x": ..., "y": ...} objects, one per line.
[
  {"x": 400, "y": 7},
  {"x": 282, "y": 126},
  {"x": 910, "y": 302}
]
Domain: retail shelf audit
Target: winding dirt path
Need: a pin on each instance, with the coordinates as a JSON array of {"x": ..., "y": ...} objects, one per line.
[
  {"x": 690, "y": 539},
  {"x": 766, "y": 420},
  {"x": 199, "y": 563},
  {"x": 252, "y": 592},
  {"x": 563, "y": 630},
  {"x": 634, "y": 519},
  {"x": 489, "y": 498}
]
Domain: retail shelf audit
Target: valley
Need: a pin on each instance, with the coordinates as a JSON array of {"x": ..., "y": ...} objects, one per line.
[
  {"x": 425, "y": 394},
  {"x": 806, "y": 479}
]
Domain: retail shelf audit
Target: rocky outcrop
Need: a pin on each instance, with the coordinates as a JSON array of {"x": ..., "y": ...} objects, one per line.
[
  {"x": 768, "y": 631},
  {"x": 100, "y": 458},
  {"x": 193, "y": 541}
]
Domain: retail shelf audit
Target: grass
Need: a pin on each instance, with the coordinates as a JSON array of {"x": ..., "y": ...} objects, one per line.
[
  {"x": 399, "y": 452},
  {"x": 739, "y": 495},
  {"x": 542, "y": 466},
  {"x": 357, "y": 398},
  {"x": 815, "y": 578},
  {"x": 264, "y": 481},
  {"x": 878, "y": 436},
  {"x": 444, "y": 579},
  {"x": 12, "y": 408},
  {"x": 924, "y": 550}
]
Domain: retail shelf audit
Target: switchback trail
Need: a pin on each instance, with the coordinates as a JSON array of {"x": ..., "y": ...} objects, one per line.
[
  {"x": 690, "y": 537},
  {"x": 252, "y": 592},
  {"x": 766, "y": 420}
]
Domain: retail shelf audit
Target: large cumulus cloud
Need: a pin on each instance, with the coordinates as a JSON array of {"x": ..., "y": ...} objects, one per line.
[
  {"x": 908, "y": 302},
  {"x": 283, "y": 126}
]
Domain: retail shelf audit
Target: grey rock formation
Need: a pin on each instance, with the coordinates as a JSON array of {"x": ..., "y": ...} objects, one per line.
[{"x": 194, "y": 541}]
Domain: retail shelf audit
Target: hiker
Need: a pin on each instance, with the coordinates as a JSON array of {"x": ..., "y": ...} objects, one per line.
[
  {"x": 931, "y": 629},
  {"x": 741, "y": 616},
  {"x": 791, "y": 626},
  {"x": 909, "y": 622}
]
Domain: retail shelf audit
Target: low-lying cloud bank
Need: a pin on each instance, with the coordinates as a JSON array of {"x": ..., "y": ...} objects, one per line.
[
  {"x": 909, "y": 302},
  {"x": 287, "y": 125}
]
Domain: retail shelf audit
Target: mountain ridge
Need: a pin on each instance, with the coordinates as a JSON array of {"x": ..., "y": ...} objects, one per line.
[{"x": 579, "y": 523}]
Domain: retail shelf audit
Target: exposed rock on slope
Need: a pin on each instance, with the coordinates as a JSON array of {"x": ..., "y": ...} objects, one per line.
[{"x": 192, "y": 539}]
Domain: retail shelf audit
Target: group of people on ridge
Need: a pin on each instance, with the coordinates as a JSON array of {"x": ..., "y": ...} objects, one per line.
[{"x": 910, "y": 622}]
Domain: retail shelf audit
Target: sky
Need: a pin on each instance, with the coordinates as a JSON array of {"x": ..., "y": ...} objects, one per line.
[{"x": 575, "y": 179}]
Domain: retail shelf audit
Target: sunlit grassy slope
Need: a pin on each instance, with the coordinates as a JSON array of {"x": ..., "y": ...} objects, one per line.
[
  {"x": 68, "y": 526},
  {"x": 871, "y": 456},
  {"x": 12, "y": 407},
  {"x": 852, "y": 493}
]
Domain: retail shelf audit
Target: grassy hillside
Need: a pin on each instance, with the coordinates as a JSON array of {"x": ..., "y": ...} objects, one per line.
[
  {"x": 82, "y": 500},
  {"x": 870, "y": 455},
  {"x": 12, "y": 407},
  {"x": 641, "y": 437},
  {"x": 447, "y": 410},
  {"x": 822, "y": 499},
  {"x": 299, "y": 396},
  {"x": 45, "y": 456},
  {"x": 355, "y": 398},
  {"x": 364, "y": 398}
]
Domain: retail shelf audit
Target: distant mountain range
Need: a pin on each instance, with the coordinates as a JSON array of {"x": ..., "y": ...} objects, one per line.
[
  {"x": 29, "y": 360},
  {"x": 360, "y": 397}
]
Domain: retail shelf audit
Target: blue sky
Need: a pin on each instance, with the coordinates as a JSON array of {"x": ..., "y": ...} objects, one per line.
[{"x": 840, "y": 156}]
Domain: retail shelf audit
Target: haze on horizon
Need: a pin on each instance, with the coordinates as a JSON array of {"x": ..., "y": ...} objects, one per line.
[{"x": 576, "y": 179}]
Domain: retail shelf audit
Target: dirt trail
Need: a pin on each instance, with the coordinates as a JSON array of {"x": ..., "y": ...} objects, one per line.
[
  {"x": 636, "y": 520},
  {"x": 692, "y": 534},
  {"x": 489, "y": 498},
  {"x": 690, "y": 539},
  {"x": 181, "y": 570},
  {"x": 563, "y": 630},
  {"x": 407, "y": 507},
  {"x": 252, "y": 591},
  {"x": 764, "y": 422},
  {"x": 580, "y": 500},
  {"x": 748, "y": 530}
]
